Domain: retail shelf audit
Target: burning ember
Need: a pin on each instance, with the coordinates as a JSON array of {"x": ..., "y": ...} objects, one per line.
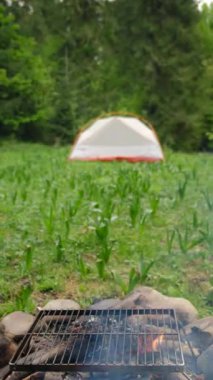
[
  {"x": 149, "y": 343},
  {"x": 157, "y": 342}
]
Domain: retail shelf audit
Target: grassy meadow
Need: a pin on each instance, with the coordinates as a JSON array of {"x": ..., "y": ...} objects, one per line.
[{"x": 89, "y": 230}]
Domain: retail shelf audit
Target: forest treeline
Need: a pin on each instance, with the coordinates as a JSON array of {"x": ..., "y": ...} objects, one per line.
[{"x": 63, "y": 62}]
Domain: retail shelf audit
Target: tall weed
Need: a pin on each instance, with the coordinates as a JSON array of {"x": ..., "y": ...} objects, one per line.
[
  {"x": 135, "y": 277},
  {"x": 23, "y": 299},
  {"x": 49, "y": 220},
  {"x": 181, "y": 189},
  {"x": 134, "y": 209},
  {"x": 154, "y": 203},
  {"x": 208, "y": 200},
  {"x": 186, "y": 240},
  {"x": 146, "y": 184},
  {"x": 28, "y": 258},
  {"x": 170, "y": 235},
  {"x": 105, "y": 250},
  {"x": 82, "y": 266},
  {"x": 59, "y": 249}
]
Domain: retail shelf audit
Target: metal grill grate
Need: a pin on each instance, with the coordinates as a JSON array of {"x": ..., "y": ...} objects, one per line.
[{"x": 102, "y": 340}]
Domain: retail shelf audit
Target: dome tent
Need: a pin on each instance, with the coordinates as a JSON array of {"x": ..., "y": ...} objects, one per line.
[{"x": 119, "y": 138}]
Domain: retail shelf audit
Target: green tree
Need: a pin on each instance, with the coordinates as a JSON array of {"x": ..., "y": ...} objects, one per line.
[
  {"x": 67, "y": 33},
  {"x": 77, "y": 72},
  {"x": 25, "y": 85},
  {"x": 152, "y": 57},
  {"x": 160, "y": 65},
  {"x": 205, "y": 29}
]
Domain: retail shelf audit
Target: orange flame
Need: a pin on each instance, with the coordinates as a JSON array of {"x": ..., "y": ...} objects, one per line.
[
  {"x": 156, "y": 342},
  {"x": 149, "y": 344}
]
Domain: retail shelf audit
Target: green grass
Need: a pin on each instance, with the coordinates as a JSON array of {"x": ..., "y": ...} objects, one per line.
[{"x": 90, "y": 230}]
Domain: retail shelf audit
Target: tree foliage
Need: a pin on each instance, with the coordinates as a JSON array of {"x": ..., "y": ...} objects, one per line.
[
  {"x": 24, "y": 82},
  {"x": 206, "y": 31},
  {"x": 86, "y": 57}
]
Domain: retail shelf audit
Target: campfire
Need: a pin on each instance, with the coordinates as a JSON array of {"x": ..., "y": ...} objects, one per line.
[
  {"x": 149, "y": 344},
  {"x": 127, "y": 342}
]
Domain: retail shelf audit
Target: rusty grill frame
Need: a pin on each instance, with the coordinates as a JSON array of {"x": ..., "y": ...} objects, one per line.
[{"x": 114, "y": 329}]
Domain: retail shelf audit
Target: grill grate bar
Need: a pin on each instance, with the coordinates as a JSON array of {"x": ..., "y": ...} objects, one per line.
[{"x": 126, "y": 339}]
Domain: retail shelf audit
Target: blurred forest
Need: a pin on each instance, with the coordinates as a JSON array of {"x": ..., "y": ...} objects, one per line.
[{"x": 63, "y": 62}]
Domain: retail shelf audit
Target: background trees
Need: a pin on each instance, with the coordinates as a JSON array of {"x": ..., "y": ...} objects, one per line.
[
  {"x": 70, "y": 60},
  {"x": 25, "y": 84}
]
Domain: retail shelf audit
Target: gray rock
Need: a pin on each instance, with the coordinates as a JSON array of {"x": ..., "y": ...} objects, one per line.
[
  {"x": 108, "y": 303},
  {"x": 74, "y": 376},
  {"x": 61, "y": 304},
  {"x": 2, "y": 328},
  {"x": 16, "y": 375},
  {"x": 62, "y": 376},
  {"x": 200, "y": 333},
  {"x": 205, "y": 363},
  {"x": 7, "y": 349},
  {"x": 36, "y": 376},
  {"x": 146, "y": 297},
  {"x": 4, "y": 372},
  {"x": 17, "y": 324},
  {"x": 54, "y": 376}
]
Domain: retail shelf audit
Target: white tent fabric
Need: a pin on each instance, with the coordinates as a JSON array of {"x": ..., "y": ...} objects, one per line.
[{"x": 117, "y": 138}]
